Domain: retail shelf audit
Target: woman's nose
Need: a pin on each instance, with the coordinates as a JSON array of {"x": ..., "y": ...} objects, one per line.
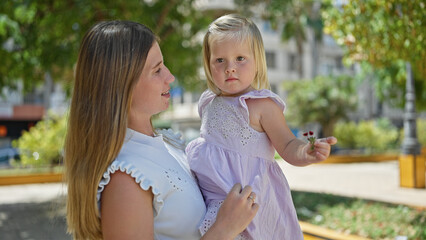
[{"x": 170, "y": 78}]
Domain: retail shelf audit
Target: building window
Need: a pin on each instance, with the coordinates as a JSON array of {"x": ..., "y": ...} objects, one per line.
[
  {"x": 267, "y": 28},
  {"x": 339, "y": 63},
  {"x": 270, "y": 59}
]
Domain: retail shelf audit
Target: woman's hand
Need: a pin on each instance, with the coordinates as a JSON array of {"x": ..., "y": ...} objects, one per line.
[
  {"x": 321, "y": 149},
  {"x": 235, "y": 214}
]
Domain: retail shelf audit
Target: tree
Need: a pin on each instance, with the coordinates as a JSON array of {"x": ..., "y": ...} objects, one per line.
[
  {"x": 41, "y": 38},
  {"x": 324, "y": 100},
  {"x": 384, "y": 33}
]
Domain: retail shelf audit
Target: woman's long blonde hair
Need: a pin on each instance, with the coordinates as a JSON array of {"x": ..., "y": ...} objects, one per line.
[
  {"x": 240, "y": 29},
  {"x": 111, "y": 58}
]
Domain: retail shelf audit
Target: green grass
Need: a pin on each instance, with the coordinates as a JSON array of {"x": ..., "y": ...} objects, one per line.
[{"x": 375, "y": 220}]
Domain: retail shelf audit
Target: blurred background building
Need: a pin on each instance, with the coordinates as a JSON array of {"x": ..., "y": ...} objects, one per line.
[
  {"x": 320, "y": 57},
  {"x": 323, "y": 57}
]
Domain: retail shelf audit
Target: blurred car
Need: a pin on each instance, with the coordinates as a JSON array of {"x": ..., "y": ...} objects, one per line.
[{"x": 6, "y": 154}]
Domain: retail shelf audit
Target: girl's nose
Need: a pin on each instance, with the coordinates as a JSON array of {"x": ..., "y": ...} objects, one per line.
[{"x": 230, "y": 68}]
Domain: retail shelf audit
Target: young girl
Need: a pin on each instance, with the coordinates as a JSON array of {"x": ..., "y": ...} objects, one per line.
[{"x": 242, "y": 126}]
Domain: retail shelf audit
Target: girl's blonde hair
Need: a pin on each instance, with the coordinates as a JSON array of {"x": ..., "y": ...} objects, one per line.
[
  {"x": 111, "y": 58},
  {"x": 240, "y": 29}
]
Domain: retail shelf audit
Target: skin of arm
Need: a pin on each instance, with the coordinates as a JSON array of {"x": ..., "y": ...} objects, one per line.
[
  {"x": 127, "y": 211},
  {"x": 266, "y": 116}
]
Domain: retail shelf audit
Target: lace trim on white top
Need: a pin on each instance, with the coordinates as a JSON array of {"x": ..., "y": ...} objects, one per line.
[{"x": 139, "y": 177}]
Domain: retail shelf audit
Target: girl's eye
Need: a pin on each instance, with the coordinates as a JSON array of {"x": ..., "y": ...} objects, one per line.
[
  {"x": 158, "y": 71},
  {"x": 240, "y": 58},
  {"x": 219, "y": 60}
]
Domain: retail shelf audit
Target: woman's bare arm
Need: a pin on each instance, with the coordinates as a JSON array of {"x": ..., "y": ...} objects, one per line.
[{"x": 126, "y": 209}]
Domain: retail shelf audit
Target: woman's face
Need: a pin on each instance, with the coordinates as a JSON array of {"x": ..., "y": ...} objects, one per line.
[{"x": 151, "y": 93}]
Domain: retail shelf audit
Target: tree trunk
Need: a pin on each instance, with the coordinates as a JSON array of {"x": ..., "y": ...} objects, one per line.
[
  {"x": 299, "y": 44},
  {"x": 314, "y": 53},
  {"x": 327, "y": 128},
  {"x": 48, "y": 83}
]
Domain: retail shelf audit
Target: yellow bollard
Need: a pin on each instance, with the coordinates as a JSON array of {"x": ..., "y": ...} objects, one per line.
[{"x": 412, "y": 171}]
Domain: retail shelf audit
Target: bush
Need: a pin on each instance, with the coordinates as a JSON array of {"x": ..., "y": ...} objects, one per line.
[
  {"x": 421, "y": 130},
  {"x": 42, "y": 145},
  {"x": 324, "y": 100},
  {"x": 372, "y": 136},
  {"x": 371, "y": 219}
]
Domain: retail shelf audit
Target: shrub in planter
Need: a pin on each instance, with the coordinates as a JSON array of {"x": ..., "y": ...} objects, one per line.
[
  {"x": 42, "y": 145},
  {"x": 371, "y": 136},
  {"x": 345, "y": 132}
]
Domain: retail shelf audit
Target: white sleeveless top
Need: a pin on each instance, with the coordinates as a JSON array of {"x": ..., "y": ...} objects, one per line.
[{"x": 178, "y": 204}]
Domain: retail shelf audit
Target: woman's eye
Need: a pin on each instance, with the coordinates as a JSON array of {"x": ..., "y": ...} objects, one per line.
[
  {"x": 240, "y": 58},
  {"x": 158, "y": 71},
  {"x": 219, "y": 60}
]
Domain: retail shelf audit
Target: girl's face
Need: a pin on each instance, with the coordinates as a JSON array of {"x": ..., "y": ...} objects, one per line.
[
  {"x": 151, "y": 93},
  {"x": 232, "y": 66}
]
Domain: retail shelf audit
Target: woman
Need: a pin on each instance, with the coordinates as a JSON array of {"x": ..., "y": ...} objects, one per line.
[{"x": 125, "y": 181}]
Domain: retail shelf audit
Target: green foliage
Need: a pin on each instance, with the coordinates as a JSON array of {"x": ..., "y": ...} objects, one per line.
[
  {"x": 421, "y": 130},
  {"x": 345, "y": 132},
  {"x": 372, "y": 135},
  {"x": 375, "y": 220},
  {"x": 44, "y": 36},
  {"x": 386, "y": 34},
  {"x": 42, "y": 145},
  {"x": 389, "y": 83},
  {"x": 324, "y": 100},
  {"x": 381, "y": 31}
]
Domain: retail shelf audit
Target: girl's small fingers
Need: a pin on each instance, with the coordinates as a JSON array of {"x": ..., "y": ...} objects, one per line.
[
  {"x": 329, "y": 140},
  {"x": 322, "y": 156}
]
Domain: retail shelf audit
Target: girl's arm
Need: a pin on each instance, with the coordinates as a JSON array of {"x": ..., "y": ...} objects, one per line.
[{"x": 267, "y": 116}]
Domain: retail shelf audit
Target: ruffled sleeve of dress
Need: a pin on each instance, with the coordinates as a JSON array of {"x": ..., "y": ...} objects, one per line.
[
  {"x": 204, "y": 100},
  {"x": 144, "y": 182},
  {"x": 257, "y": 94}
]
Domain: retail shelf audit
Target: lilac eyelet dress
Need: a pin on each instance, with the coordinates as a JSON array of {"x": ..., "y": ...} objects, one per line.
[{"x": 230, "y": 151}]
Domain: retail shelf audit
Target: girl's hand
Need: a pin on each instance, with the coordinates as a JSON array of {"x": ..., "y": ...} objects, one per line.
[
  {"x": 235, "y": 214},
  {"x": 321, "y": 149}
]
